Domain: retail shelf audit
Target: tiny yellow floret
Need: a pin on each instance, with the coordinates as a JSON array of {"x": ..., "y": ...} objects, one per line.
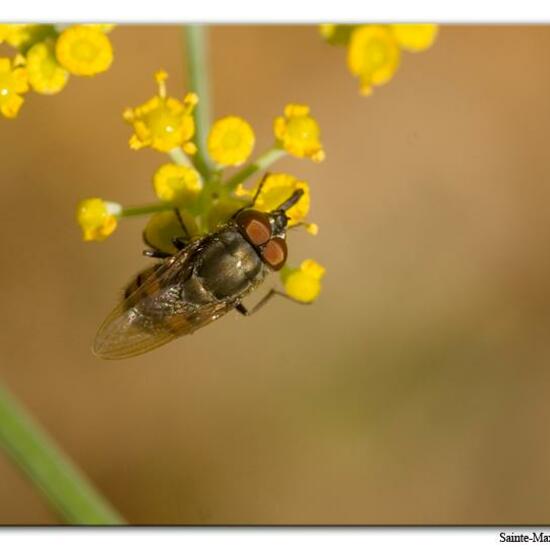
[
  {"x": 97, "y": 218},
  {"x": 373, "y": 56},
  {"x": 304, "y": 283},
  {"x": 163, "y": 123},
  {"x": 84, "y": 50},
  {"x": 230, "y": 141},
  {"x": 277, "y": 188},
  {"x": 175, "y": 183},
  {"x": 298, "y": 133},
  {"x": 46, "y": 75},
  {"x": 415, "y": 38},
  {"x": 13, "y": 83}
]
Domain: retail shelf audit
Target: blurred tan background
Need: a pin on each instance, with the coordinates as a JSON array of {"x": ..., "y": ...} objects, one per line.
[{"x": 414, "y": 391}]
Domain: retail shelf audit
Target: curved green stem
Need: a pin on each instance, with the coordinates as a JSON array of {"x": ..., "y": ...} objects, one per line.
[
  {"x": 66, "y": 488},
  {"x": 197, "y": 69},
  {"x": 145, "y": 209},
  {"x": 261, "y": 163}
]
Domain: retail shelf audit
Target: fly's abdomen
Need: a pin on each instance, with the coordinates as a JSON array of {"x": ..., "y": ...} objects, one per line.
[
  {"x": 229, "y": 266},
  {"x": 135, "y": 289}
]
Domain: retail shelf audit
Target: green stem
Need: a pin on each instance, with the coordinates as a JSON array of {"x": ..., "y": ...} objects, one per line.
[
  {"x": 69, "y": 492},
  {"x": 145, "y": 209},
  {"x": 261, "y": 163},
  {"x": 179, "y": 157},
  {"x": 197, "y": 69}
]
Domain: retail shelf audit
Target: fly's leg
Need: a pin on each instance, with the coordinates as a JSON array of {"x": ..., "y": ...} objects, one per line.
[
  {"x": 157, "y": 254},
  {"x": 248, "y": 312},
  {"x": 181, "y": 242},
  {"x": 255, "y": 197},
  {"x": 259, "y": 190},
  {"x": 153, "y": 251}
]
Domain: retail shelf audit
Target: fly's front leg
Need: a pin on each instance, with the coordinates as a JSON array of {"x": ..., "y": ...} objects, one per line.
[
  {"x": 153, "y": 251},
  {"x": 157, "y": 254},
  {"x": 255, "y": 197},
  {"x": 248, "y": 312}
]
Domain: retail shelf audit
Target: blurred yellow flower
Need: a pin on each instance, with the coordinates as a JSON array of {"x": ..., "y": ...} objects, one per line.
[
  {"x": 162, "y": 227},
  {"x": 13, "y": 83},
  {"x": 84, "y": 50},
  {"x": 163, "y": 123},
  {"x": 304, "y": 283},
  {"x": 276, "y": 189},
  {"x": 298, "y": 133},
  {"x": 373, "y": 55},
  {"x": 45, "y": 74},
  {"x": 230, "y": 141},
  {"x": 175, "y": 183},
  {"x": 97, "y": 218},
  {"x": 415, "y": 38}
]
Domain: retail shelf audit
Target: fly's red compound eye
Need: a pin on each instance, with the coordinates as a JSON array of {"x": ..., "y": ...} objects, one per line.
[
  {"x": 255, "y": 226},
  {"x": 274, "y": 253}
]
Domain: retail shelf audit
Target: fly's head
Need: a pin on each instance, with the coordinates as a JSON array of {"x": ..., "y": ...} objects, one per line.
[{"x": 267, "y": 231}]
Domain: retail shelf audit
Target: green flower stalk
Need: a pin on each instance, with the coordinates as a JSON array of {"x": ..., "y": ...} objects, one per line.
[{"x": 64, "y": 486}]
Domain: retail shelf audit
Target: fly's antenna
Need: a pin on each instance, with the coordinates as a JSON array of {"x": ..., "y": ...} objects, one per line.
[{"x": 291, "y": 201}]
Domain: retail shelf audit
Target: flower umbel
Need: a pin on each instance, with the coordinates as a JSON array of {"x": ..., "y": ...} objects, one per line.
[
  {"x": 177, "y": 184},
  {"x": 373, "y": 56},
  {"x": 163, "y": 123},
  {"x": 298, "y": 133},
  {"x": 230, "y": 141},
  {"x": 48, "y": 54},
  {"x": 97, "y": 218},
  {"x": 303, "y": 283},
  {"x": 13, "y": 83},
  {"x": 84, "y": 50}
]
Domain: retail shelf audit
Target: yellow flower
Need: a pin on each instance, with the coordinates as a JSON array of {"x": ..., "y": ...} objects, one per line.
[
  {"x": 231, "y": 141},
  {"x": 276, "y": 189},
  {"x": 415, "y": 38},
  {"x": 97, "y": 218},
  {"x": 373, "y": 56},
  {"x": 303, "y": 284},
  {"x": 45, "y": 74},
  {"x": 174, "y": 183},
  {"x": 298, "y": 133},
  {"x": 84, "y": 50},
  {"x": 163, "y": 123},
  {"x": 162, "y": 227},
  {"x": 13, "y": 83}
]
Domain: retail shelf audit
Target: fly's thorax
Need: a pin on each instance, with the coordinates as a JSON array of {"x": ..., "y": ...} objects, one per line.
[{"x": 229, "y": 266}]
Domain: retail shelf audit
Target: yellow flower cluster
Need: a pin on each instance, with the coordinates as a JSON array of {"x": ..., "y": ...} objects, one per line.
[
  {"x": 199, "y": 194},
  {"x": 374, "y": 51},
  {"x": 46, "y": 56}
]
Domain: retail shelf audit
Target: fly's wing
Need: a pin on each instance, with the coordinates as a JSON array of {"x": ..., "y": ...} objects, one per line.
[{"x": 154, "y": 314}]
